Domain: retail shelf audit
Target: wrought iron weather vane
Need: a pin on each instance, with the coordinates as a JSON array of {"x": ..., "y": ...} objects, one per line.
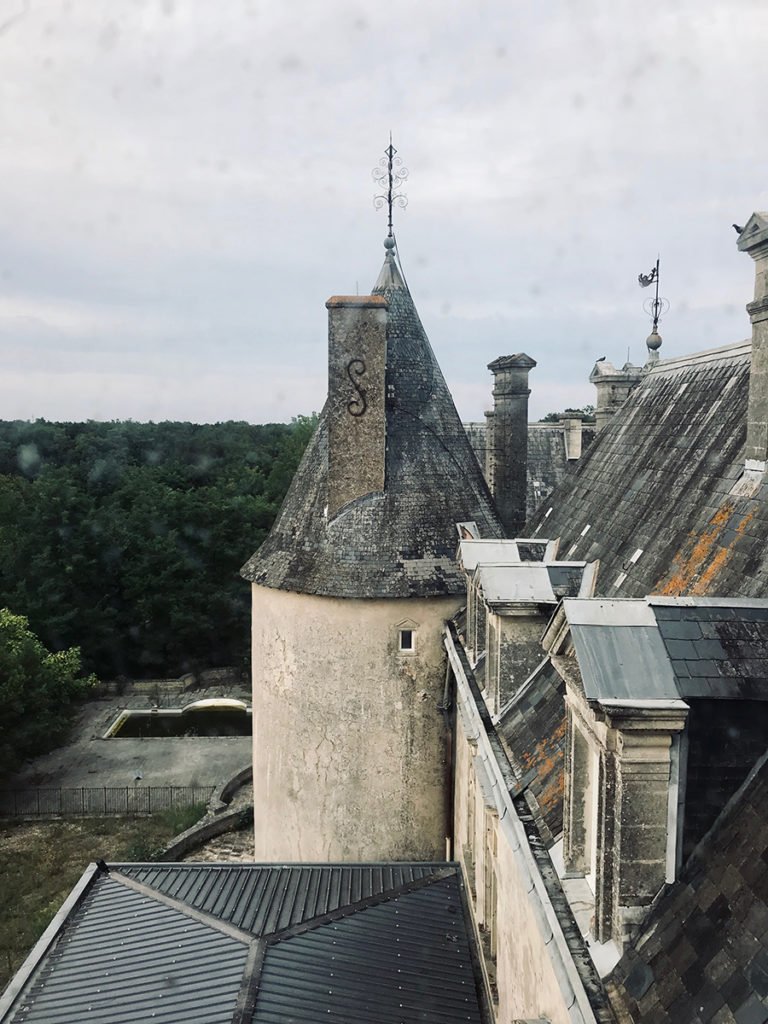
[
  {"x": 655, "y": 307},
  {"x": 389, "y": 174}
]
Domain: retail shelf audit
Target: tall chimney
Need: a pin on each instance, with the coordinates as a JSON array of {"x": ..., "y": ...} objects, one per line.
[
  {"x": 357, "y": 429},
  {"x": 754, "y": 240},
  {"x": 510, "y": 438}
]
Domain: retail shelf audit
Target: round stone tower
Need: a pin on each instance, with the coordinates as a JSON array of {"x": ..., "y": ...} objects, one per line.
[{"x": 350, "y": 593}]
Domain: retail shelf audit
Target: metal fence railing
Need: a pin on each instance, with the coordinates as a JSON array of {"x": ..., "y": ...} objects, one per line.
[{"x": 93, "y": 801}]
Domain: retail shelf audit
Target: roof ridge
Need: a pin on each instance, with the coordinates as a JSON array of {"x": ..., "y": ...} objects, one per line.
[
  {"x": 707, "y": 355},
  {"x": 348, "y": 909},
  {"x": 201, "y": 916}
]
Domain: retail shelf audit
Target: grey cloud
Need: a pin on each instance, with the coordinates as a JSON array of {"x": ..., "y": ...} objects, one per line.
[{"x": 196, "y": 178}]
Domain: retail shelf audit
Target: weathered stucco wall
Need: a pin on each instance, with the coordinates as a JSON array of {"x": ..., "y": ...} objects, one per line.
[
  {"x": 528, "y": 986},
  {"x": 526, "y": 983},
  {"x": 349, "y": 744}
]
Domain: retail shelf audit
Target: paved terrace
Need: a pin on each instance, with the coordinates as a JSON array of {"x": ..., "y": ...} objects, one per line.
[{"x": 89, "y": 760}]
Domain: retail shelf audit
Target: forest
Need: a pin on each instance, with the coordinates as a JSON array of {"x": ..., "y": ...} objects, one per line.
[{"x": 126, "y": 539}]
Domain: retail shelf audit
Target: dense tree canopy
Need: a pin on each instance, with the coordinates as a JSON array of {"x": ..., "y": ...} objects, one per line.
[
  {"x": 586, "y": 412},
  {"x": 125, "y": 539},
  {"x": 37, "y": 691}
]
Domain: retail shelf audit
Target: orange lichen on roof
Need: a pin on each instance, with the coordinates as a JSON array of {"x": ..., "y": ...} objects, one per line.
[
  {"x": 696, "y": 566},
  {"x": 546, "y": 759}
]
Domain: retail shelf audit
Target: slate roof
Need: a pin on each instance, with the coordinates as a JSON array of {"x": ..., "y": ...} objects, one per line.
[
  {"x": 548, "y": 463},
  {"x": 717, "y": 648},
  {"x": 532, "y": 728},
  {"x": 702, "y": 955},
  {"x": 158, "y": 941},
  {"x": 669, "y": 648},
  {"x": 401, "y": 543},
  {"x": 666, "y": 466}
]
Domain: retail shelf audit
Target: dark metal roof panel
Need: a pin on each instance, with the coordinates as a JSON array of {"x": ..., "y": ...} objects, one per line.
[
  {"x": 623, "y": 662},
  {"x": 125, "y": 957},
  {"x": 264, "y": 898},
  {"x": 404, "y": 960}
]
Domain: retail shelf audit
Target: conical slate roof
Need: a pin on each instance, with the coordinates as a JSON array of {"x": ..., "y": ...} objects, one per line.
[{"x": 402, "y": 542}]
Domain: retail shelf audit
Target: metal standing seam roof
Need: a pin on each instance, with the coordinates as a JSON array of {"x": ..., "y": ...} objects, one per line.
[
  {"x": 406, "y": 959},
  {"x": 261, "y": 943},
  {"x": 529, "y": 582},
  {"x": 619, "y": 649},
  {"x": 125, "y": 957},
  {"x": 264, "y": 898}
]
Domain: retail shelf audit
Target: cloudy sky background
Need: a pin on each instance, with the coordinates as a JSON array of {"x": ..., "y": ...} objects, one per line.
[{"x": 184, "y": 183}]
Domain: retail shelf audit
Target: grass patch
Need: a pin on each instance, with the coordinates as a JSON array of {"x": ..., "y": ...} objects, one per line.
[{"x": 41, "y": 861}]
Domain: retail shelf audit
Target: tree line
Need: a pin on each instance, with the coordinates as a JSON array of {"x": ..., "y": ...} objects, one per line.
[{"x": 125, "y": 539}]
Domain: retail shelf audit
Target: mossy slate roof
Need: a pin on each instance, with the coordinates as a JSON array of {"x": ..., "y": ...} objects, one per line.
[
  {"x": 703, "y": 952},
  {"x": 660, "y": 480},
  {"x": 402, "y": 542}
]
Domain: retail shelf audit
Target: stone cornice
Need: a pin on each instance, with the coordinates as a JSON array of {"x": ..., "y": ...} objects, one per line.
[{"x": 758, "y": 310}]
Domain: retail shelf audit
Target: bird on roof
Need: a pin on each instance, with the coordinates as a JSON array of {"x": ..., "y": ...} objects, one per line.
[{"x": 737, "y": 228}]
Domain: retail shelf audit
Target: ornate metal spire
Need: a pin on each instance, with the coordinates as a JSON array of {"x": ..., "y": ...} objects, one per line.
[
  {"x": 655, "y": 308},
  {"x": 389, "y": 174}
]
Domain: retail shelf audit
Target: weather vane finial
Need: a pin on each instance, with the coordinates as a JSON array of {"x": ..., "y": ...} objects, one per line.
[
  {"x": 390, "y": 174},
  {"x": 655, "y": 308}
]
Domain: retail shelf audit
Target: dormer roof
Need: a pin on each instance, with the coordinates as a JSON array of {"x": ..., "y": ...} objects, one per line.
[
  {"x": 494, "y": 550},
  {"x": 532, "y": 582},
  {"x": 670, "y": 648}
]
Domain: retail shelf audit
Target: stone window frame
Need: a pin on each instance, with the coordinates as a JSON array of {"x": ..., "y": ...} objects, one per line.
[
  {"x": 411, "y": 628},
  {"x": 410, "y": 647}
]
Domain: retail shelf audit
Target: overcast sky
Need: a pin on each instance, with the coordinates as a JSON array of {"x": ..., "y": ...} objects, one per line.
[{"x": 185, "y": 182}]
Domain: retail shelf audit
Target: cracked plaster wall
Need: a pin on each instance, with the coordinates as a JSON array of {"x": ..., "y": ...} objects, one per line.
[{"x": 349, "y": 744}]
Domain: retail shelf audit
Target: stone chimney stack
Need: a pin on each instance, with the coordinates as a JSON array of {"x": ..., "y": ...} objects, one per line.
[
  {"x": 612, "y": 386},
  {"x": 357, "y": 355},
  {"x": 754, "y": 240},
  {"x": 572, "y": 431},
  {"x": 510, "y": 438}
]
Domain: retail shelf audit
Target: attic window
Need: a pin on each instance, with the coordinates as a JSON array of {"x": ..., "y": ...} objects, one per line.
[{"x": 407, "y": 641}]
